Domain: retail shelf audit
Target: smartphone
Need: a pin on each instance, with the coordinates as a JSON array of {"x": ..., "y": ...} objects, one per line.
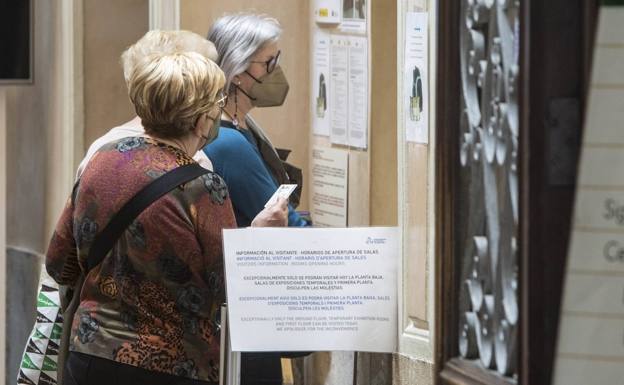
[{"x": 282, "y": 191}]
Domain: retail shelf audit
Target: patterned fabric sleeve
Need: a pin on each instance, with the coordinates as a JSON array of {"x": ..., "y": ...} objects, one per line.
[
  {"x": 61, "y": 257},
  {"x": 214, "y": 213}
]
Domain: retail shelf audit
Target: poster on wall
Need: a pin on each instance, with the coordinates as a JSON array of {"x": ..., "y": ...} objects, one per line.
[
  {"x": 358, "y": 92},
  {"x": 354, "y": 16},
  {"x": 321, "y": 121},
  {"x": 349, "y": 91},
  {"x": 328, "y": 11},
  {"x": 330, "y": 175},
  {"x": 415, "y": 77},
  {"x": 293, "y": 289},
  {"x": 339, "y": 89}
]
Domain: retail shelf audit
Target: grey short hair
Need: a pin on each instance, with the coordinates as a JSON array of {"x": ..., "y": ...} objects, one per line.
[{"x": 238, "y": 37}]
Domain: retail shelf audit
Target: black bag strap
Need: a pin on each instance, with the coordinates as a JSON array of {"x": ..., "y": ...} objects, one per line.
[{"x": 105, "y": 240}]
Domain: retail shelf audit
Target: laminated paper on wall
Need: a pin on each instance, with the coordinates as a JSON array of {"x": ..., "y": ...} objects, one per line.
[{"x": 591, "y": 346}]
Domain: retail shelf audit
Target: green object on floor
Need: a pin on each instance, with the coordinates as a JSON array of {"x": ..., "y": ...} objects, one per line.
[{"x": 612, "y": 2}]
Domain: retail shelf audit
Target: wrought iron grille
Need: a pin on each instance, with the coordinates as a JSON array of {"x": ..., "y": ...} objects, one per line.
[{"x": 488, "y": 184}]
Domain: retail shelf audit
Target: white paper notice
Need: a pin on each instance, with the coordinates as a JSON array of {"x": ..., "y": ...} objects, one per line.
[
  {"x": 321, "y": 121},
  {"x": 358, "y": 92},
  {"x": 349, "y": 91},
  {"x": 354, "y": 15},
  {"x": 591, "y": 326},
  {"x": 298, "y": 289},
  {"x": 329, "y": 187},
  {"x": 339, "y": 86},
  {"x": 415, "y": 80}
]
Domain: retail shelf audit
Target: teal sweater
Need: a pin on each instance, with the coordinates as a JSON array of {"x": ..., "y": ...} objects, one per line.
[{"x": 236, "y": 158}]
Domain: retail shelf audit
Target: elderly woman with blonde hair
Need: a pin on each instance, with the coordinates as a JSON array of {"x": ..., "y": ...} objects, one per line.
[
  {"x": 153, "y": 42},
  {"x": 149, "y": 312}
]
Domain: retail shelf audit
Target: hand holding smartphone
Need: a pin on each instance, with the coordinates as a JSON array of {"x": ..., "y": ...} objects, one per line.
[{"x": 282, "y": 191}]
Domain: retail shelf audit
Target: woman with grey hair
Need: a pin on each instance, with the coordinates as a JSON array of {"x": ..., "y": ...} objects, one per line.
[
  {"x": 249, "y": 56},
  {"x": 242, "y": 154}
]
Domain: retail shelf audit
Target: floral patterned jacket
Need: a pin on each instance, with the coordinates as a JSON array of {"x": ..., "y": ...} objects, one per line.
[{"x": 154, "y": 300}]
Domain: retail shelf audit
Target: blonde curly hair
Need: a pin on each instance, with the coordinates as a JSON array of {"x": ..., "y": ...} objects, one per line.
[{"x": 171, "y": 91}]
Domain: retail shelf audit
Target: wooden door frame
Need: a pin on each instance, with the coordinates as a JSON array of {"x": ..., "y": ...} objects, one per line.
[
  {"x": 447, "y": 118},
  {"x": 3, "y": 231},
  {"x": 535, "y": 365},
  {"x": 449, "y": 370}
]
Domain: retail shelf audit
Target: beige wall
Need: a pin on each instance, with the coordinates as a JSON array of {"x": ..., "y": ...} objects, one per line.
[
  {"x": 64, "y": 138},
  {"x": 33, "y": 113},
  {"x": 37, "y": 114},
  {"x": 34, "y": 120},
  {"x": 110, "y": 27},
  {"x": 288, "y": 126},
  {"x": 417, "y": 187},
  {"x": 383, "y": 116}
]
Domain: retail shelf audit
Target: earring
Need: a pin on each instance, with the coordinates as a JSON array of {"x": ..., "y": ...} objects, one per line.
[{"x": 235, "y": 119}]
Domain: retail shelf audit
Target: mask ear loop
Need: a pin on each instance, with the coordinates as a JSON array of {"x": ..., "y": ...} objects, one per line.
[{"x": 243, "y": 91}]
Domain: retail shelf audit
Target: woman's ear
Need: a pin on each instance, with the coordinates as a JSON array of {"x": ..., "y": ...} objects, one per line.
[{"x": 200, "y": 124}]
